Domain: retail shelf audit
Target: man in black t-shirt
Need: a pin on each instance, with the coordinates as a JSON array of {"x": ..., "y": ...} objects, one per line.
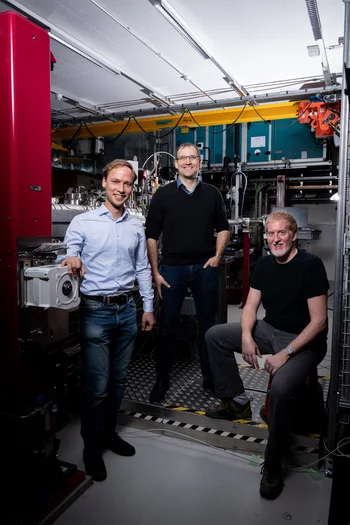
[
  {"x": 186, "y": 213},
  {"x": 292, "y": 287}
]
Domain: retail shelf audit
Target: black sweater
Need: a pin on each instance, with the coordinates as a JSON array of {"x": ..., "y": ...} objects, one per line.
[{"x": 187, "y": 222}]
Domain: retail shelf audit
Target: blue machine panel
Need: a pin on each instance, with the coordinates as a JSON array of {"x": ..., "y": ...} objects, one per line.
[
  {"x": 184, "y": 137},
  {"x": 230, "y": 141},
  {"x": 294, "y": 141},
  {"x": 258, "y": 142},
  {"x": 215, "y": 144}
]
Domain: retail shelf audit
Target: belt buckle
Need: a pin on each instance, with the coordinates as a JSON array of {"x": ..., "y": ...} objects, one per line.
[
  {"x": 117, "y": 299},
  {"x": 123, "y": 298}
]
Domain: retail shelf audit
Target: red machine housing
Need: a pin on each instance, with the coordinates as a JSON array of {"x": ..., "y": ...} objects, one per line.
[
  {"x": 322, "y": 117},
  {"x": 25, "y": 159}
]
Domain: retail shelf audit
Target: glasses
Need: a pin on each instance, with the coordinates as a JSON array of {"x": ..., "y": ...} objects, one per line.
[{"x": 185, "y": 157}]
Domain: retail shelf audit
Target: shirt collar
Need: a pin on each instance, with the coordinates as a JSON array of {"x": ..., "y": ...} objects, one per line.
[
  {"x": 104, "y": 211},
  {"x": 180, "y": 184}
]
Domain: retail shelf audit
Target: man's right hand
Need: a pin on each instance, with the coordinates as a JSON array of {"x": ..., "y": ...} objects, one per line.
[
  {"x": 250, "y": 351},
  {"x": 159, "y": 280},
  {"x": 74, "y": 266}
]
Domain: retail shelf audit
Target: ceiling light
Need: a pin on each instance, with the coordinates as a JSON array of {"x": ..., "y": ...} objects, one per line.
[
  {"x": 83, "y": 54},
  {"x": 180, "y": 25},
  {"x": 186, "y": 32},
  {"x": 314, "y": 18},
  {"x": 335, "y": 197}
]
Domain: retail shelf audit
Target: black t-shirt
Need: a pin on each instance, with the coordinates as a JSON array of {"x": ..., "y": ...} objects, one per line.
[{"x": 285, "y": 289}]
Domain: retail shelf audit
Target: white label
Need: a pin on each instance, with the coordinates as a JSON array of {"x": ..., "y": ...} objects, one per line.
[
  {"x": 304, "y": 154},
  {"x": 258, "y": 142}
]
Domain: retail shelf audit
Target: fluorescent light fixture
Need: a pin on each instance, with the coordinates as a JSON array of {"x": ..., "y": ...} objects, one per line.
[
  {"x": 314, "y": 51},
  {"x": 335, "y": 197},
  {"x": 180, "y": 25},
  {"x": 186, "y": 32},
  {"x": 84, "y": 55},
  {"x": 314, "y": 18}
]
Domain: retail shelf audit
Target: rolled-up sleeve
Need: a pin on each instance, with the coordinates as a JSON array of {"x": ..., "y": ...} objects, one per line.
[{"x": 143, "y": 272}]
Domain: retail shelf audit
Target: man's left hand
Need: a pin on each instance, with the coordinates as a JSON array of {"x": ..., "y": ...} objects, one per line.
[
  {"x": 148, "y": 321},
  {"x": 213, "y": 261},
  {"x": 274, "y": 362}
]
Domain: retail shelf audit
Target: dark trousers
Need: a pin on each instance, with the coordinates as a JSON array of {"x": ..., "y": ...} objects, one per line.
[
  {"x": 203, "y": 284},
  {"x": 107, "y": 337},
  {"x": 224, "y": 340}
]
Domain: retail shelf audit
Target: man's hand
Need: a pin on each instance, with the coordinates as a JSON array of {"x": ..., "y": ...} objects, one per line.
[
  {"x": 250, "y": 351},
  {"x": 274, "y": 362},
  {"x": 148, "y": 321},
  {"x": 213, "y": 261},
  {"x": 159, "y": 280},
  {"x": 74, "y": 265}
]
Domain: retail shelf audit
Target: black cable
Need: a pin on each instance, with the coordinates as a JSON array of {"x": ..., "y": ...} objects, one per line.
[
  {"x": 122, "y": 131},
  {"x": 162, "y": 136},
  {"x": 89, "y": 130},
  {"x": 222, "y": 130},
  {"x": 75, "y": 134},
  {"x": 285, "y": 125}
]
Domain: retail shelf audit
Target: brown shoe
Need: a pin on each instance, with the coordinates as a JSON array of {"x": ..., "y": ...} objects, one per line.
[{"x": 230, "y": 410}]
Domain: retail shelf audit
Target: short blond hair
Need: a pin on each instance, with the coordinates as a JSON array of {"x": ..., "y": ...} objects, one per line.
[
  {"x": 118, "y": 163},
  {"x": 282, "y": 216}
]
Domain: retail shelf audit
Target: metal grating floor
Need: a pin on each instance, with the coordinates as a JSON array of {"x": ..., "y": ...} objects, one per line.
[{"x": 186, "y": 385}]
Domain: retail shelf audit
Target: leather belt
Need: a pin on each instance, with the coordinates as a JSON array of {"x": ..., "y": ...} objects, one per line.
[{"x": 120, "y": 299}]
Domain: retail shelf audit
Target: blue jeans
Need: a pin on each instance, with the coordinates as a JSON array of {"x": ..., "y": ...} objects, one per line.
[
  {"x": 203, "y": 284},
  {"x": 107, "y": 337}
]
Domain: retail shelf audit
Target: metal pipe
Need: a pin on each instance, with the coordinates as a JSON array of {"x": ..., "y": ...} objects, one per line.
[
  {"x": 266, "y": 203},
  {"x": 292, "y": 179},
  {"x": 260, "y": 204},
  {"x": 263, "y": 98},
  {"x": 314, "y": 187},
  {"x": 340, "y": 247}
]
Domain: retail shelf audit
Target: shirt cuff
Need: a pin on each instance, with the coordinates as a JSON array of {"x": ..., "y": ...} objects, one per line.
[{"x": 148, "y": 306}]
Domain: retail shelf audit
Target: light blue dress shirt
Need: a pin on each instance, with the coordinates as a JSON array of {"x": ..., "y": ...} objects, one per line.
[
  {"x": 181, "y": 185},
  {"x": 113, "y": 252}
]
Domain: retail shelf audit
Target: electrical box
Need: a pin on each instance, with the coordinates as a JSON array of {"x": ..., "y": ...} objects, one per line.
[{"x": 51, "y": 286}]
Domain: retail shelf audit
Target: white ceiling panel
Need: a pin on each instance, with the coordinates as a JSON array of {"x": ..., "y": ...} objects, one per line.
[
  {"x": 262, "y": 45},
  {"x": 259, "y": 41}
]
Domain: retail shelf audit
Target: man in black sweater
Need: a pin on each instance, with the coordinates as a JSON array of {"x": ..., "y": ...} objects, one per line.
[
  {"x": 186, "y": 212},
  {"x": 292, "y": 287}
]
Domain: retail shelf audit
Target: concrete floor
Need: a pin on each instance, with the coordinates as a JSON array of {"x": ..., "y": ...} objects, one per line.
[{"x": 171, "y": 481}]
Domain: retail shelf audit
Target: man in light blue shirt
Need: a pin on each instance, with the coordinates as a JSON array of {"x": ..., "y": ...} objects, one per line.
[{"x": 107, "y": 247}]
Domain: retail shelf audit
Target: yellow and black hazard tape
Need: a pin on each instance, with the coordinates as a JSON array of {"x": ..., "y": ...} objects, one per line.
[
  {"x": 211, "y": 431},
  {"x": 202, "y": 413},
  {"x": 189, "y": 426}
]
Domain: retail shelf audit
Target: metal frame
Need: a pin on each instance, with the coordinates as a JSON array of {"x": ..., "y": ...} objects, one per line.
[{"x": 339, "y": 393}]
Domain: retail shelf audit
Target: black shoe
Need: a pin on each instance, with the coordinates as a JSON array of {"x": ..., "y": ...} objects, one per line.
[
  {"x": 271, "y": 484},
  {"x": 208, "y": 384},
  {"x": 94, "y": 464},
  {"x": 117, "y": 445},
  {"x": 230, "y": 410},
  {"x": 159, "y": 390}
]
